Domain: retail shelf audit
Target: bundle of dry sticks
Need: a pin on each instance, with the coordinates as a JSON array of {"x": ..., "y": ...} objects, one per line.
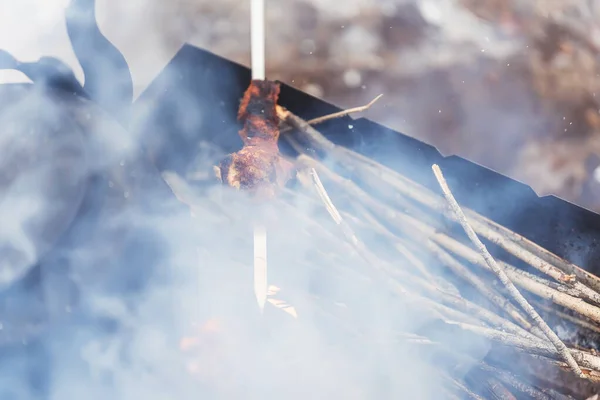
[
  {"x": 506, "y": 306},
  {"x": 406, "y": 215}
]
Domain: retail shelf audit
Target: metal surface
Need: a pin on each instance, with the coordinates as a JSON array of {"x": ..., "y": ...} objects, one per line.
[{"x": 209, "y": 87}]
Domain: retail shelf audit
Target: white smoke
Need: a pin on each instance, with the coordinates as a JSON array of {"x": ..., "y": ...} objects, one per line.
[{"x": 192, "y": 269}]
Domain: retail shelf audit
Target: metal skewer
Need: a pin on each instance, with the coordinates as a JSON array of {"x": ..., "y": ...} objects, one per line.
[
  {"x": 257, "y": 49},
  {"x": 260, "y": 265},
  {"x": 257, "y": 38}
]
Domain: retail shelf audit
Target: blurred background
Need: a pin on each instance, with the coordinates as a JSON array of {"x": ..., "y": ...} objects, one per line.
[{"x": 510, "y": 84}]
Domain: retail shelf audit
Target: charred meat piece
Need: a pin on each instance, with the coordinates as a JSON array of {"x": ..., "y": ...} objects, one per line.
[{"x": 258, "y": 167}]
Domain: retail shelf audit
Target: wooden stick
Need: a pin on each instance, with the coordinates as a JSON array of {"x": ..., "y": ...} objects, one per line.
[
  {"x": 535, "y": 346},
  {"x": 510, "y": 287},
  {"x": 487, "y": 291},
  {"x": 584, "y": 276},
  {"x": 460, "y": 387},
  {"x": 524, "y": 280},
  {"x": 498, "y": 390},
  {"x": 579, "y": 322},
  {"x": 339, "y": 114},
  {"x": 332, "y": 210},
  {"x": 343, "y": 113},
  {"x": 511, "y": 380}
]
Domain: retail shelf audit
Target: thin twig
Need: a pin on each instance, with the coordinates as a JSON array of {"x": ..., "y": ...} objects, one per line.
[
  {"x": 328, "y": 117},
  {"x": 511, "y": 380},
  {"x": 499, "y": 391},
  {"x": 460, "y": 270},
  {"x": 459, "y": 386},
  {"x": 593, "y": 374},
  {"x": 584, "y": 276},
  {"x": 371, "y": 223},
  {"x": 343, "y": 113},
  {"x": 521, "y": 278},
  {"x": 331, "y": 208},
  {"x": 532, "y": 346},
  {"x": 510, "y": 287},
  {"x": 535, "y": 261},
  {"x": 346, "y": 229},
  {"x": 580, "y": 322},
  {"x": 527, "y": 349}
]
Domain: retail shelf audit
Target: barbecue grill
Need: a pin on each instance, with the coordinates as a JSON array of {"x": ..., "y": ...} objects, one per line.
[
  {"x": 215, "y": 85},
  {"x": 125, "y": 154}
]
